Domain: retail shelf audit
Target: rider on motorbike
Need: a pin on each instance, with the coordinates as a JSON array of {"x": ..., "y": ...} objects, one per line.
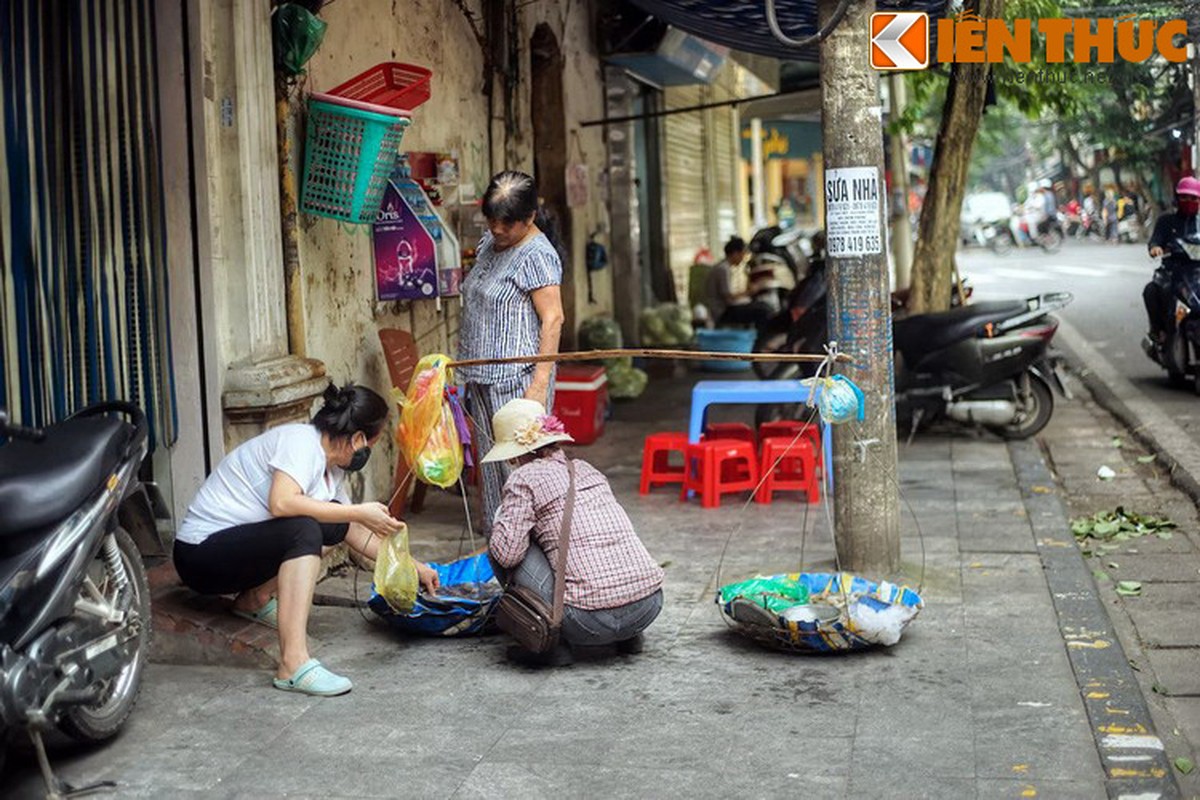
[{"x": 1170, "y": 227}]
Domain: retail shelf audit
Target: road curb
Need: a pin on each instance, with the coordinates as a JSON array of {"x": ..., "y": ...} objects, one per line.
[
  {"x": 1132, "y": 754},
  {"x": 1146, "y": 421}
]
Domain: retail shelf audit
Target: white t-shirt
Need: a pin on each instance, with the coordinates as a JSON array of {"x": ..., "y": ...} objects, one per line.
[{"x": 237, "y": 491}]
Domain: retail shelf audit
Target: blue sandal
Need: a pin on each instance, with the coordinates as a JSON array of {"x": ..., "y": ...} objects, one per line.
[
  {"x": 267, "y": 615},
  {"x": 314, "y": 679}
]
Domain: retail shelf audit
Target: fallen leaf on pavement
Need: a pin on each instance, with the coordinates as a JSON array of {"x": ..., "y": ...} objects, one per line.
[
  {"x": 1100, "y": 575},
  {"x": 1145, "y": 459},
  {"x": 1105, "y": 473},
  {"x": 1129, "y": 589},
  {"x": 1184, "y": 765},
  {"x": 1118, "y": 442}
]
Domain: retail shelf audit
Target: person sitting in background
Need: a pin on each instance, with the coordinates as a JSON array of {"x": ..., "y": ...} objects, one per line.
[
  {"x": 613, "y": 585},
  {"x": 725, "y": 306}
]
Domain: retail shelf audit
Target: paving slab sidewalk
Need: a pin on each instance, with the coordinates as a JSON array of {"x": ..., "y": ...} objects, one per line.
[{"x": 978, "y": 700}]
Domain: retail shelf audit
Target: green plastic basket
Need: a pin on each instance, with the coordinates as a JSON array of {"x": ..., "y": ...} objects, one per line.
[{"x": 349, "y": 154}]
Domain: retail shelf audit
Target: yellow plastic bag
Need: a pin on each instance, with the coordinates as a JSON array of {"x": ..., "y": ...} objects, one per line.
[
  {"x": 427, "y": 434},
  {"x": 396, "y": 573}
]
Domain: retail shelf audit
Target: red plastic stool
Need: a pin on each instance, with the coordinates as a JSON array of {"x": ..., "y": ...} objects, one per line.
[
  {"x": 795, "y": 472},
  {"x": 732, "y": 470},
  {"x": 729, "y": 430},
  {"x": 656, "y": 460},
  {"x": 788, "y": 428},
  {"x": 705, "y": 468}
]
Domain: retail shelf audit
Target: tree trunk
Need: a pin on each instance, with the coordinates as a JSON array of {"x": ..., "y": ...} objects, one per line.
[{"x": 937, "y": 232}]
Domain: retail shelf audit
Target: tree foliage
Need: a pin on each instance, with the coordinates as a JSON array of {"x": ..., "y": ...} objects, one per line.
[{"x": 1126, "y": 111}]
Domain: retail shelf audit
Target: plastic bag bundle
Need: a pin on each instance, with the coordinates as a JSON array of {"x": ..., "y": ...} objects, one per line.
[
  {"x": 427, "y": 433},
  {"x": 463, "y": 606},
  {"x": 776, "y": 593},
  {"x": 600, "y": 333},
  {"x": 838, "y": 399},
  {"x": 396, "y": 573},
  {"x": 819, "y": 612}
]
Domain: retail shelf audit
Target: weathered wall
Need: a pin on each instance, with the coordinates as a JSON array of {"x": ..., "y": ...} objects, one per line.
[{"x": 342, "y": 316}]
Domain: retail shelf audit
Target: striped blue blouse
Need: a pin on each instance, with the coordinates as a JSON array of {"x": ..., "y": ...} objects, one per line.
[{"x": 499, "y": 318}]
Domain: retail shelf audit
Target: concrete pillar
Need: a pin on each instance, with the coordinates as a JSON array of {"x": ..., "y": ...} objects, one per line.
[
  {"x": 756, "y": 171},
  {"x": 262, "y": 383}
]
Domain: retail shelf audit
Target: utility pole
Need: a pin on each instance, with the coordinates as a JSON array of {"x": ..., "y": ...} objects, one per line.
[
  {"x": 902, "y": 245},
  {"x": 866, "y": 499}
]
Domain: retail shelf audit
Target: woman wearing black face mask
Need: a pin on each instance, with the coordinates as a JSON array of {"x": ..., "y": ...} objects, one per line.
[{"x": 258, "y": 525}]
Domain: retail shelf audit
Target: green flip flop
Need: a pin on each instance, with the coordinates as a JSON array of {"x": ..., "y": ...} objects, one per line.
[
  {"x": 267, "y": 615},
  {"x": 312, "y": 678}
]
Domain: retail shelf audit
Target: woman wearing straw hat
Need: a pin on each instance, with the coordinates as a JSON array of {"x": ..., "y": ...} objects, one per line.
[
  {"x": 613, "y": 585},
  {"x": 512, "y": 306}
]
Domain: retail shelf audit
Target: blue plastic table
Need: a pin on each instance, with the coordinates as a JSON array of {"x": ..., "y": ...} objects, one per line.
[{"x": 708, "y": 393}]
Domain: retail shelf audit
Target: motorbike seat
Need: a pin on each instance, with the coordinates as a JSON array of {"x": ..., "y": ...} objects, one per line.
[
  {"x": 922, "y": 334},
  {"x": 42, "y": 483}
]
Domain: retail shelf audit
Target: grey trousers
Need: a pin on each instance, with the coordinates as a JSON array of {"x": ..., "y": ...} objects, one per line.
[
  {"x": 483, "y": 400},
  {"x": 587, "y": 627}
]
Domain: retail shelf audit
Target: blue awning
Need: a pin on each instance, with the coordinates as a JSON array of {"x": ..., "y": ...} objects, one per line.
[{"x": 742, "y": 24}]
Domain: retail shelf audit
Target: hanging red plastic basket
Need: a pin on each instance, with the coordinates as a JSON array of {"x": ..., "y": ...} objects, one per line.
[{"x": 392, "y": 84}]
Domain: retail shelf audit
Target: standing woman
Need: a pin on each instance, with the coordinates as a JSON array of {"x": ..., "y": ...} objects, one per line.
[{"x": 512, "y": 306}]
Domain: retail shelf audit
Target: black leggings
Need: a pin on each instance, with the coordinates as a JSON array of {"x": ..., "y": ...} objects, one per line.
[{"x": 245, "y": 556}]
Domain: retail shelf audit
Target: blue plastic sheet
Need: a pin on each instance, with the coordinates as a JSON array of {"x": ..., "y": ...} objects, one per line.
[{"x": 464, "y": 607}]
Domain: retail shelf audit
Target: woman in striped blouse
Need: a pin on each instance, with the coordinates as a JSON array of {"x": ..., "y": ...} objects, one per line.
[{"x": 512, "y": 306}]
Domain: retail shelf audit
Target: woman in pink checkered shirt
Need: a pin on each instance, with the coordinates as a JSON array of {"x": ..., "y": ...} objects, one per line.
[{"x": 613, "y": 585}]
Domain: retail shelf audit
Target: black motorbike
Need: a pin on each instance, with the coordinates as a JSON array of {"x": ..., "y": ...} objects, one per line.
[
  {"x": 987, "y": 364},
  {"x": 74, "y": 600},
  {"x": 1178, "y": 278}
]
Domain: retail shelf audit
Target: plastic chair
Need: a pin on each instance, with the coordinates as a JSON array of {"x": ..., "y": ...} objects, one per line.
[
  {"x": 795, "y": 472},
  {"x": 738, "y": 431},
  {"x": 788, "y": 428},
  {"x": 705, "y": 470},
  {"x": 401, "y": 354},
  {"x": 656, "y": 460}
]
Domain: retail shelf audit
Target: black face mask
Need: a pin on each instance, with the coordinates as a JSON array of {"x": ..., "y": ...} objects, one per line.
[{"x": 359, "y": 459}]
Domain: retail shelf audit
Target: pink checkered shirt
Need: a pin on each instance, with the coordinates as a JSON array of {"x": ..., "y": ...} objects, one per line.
[{"x": 607, "y": 565}]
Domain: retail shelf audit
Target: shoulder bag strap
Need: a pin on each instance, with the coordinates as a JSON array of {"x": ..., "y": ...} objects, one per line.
[{"x": 564, "y": 541}]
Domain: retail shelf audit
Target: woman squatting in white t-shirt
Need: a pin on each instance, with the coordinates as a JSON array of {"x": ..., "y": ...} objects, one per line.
[{"x": 259, "y": 524}]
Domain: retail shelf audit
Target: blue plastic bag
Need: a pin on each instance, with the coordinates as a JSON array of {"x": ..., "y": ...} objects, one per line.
[{"x": 469, "y": 590}]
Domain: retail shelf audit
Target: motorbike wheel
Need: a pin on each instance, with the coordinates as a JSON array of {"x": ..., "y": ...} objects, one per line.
[
  {"x": 103, "y": 719},
  {"x": 769, "y": 343},
  {"x": 1051, "y": 241},
  {"x": 1001, "y": 244},
  {"x": 1036, "y": 407}
]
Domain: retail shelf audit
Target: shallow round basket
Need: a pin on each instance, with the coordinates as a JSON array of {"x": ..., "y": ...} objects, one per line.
[{"x": 832, "y": 631}]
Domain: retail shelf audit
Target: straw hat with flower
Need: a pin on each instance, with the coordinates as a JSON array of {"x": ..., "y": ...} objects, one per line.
[{"x": 522, "y": 426}]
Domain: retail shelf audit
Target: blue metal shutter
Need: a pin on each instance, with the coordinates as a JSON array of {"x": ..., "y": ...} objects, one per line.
[{"x": 83, "y": 295}]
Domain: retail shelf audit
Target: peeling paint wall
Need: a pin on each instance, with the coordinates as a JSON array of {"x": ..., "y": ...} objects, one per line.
[{"x": 342, "y": 317}]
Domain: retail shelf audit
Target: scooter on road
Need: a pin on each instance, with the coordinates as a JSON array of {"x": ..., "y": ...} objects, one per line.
[{"x": 1178, "y": 278}]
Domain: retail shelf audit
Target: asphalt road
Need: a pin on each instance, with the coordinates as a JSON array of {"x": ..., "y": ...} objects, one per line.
[{"x": 1107, "y": 282}]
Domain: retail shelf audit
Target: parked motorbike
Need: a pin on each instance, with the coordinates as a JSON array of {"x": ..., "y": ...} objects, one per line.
[
  {"x": 74, "y": 600},
  {"x": 792, "y": 246},
  {"x": 987, "y": 364},
  {"x": 1178, "y": 276}
]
